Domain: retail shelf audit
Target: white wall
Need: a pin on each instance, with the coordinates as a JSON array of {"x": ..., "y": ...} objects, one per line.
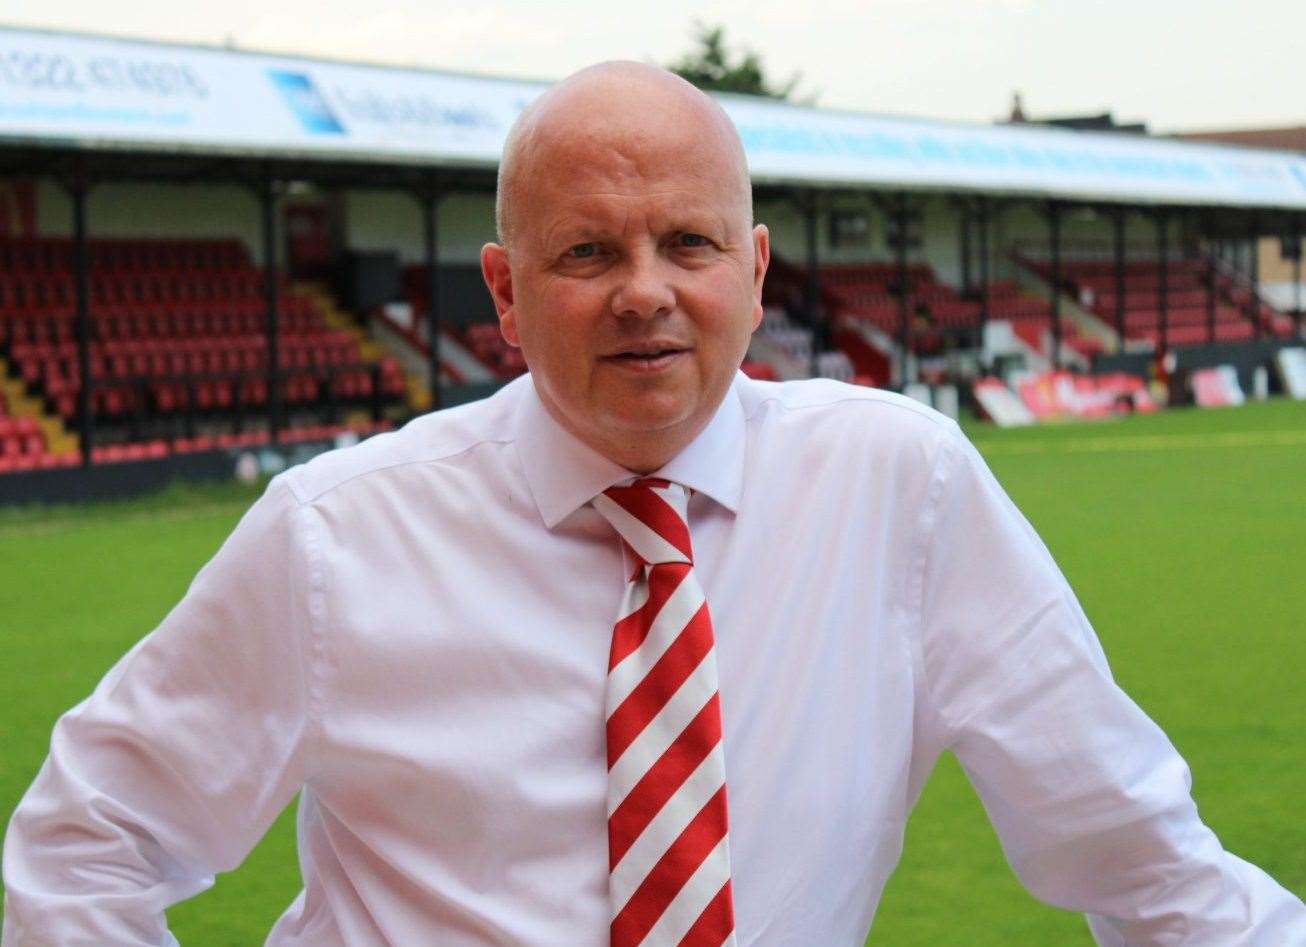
[
  {"x": 155, "y": 210},
  {"x": 940, "y": 239},
  {"x": 375, "y": 219},
  {"x": 392, "y": 220}
]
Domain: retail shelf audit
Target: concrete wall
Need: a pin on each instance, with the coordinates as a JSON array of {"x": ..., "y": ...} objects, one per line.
[
  {"x": 391, "y": 220},
  {"x": 1015, "y": 226},
  {"x": 1275, "y": 267},
  {"x": 374, "y": 219},
  {"x": 939, "y": 223},
  {"x": 155, "y": 210}
]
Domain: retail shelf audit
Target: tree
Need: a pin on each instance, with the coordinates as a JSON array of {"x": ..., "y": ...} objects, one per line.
[{"x": 710, "y": 68}]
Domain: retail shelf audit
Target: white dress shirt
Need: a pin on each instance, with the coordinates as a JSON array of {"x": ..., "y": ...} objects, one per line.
[{"x": 415, "y": 631}]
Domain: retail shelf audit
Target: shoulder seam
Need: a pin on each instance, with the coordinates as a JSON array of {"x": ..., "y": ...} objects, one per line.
[
  {"x": 304, "y": 497},
  {"x": 920, "y": 411}
]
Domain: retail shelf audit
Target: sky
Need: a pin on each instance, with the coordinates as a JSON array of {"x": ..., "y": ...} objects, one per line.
[{"x": 1175, "y": 64}]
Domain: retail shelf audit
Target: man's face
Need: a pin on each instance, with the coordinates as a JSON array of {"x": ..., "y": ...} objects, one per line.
[{"x": 634, "y": 283}]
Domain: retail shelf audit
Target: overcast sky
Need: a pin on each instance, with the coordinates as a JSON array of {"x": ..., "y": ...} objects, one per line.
[{"x": 1177, "y": 64}]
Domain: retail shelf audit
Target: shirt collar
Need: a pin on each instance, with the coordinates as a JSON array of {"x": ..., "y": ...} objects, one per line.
[{"x": 564, "y": 474}]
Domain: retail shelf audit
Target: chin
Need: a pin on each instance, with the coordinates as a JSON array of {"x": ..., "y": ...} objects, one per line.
[{"x": 650, "y": 420}]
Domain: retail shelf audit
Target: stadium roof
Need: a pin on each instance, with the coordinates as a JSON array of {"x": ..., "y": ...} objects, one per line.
[
  {"x": 76, "y": 92},
  {"x": 1291, "y": 138}
]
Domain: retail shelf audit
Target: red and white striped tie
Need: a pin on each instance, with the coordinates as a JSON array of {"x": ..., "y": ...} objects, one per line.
[{"x": 668, "y": 852}]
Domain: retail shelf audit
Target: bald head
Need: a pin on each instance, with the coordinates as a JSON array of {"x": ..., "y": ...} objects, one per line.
[{"x": 625, "y": 109}]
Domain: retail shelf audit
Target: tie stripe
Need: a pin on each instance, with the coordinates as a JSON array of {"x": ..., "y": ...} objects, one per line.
[
  {"x": 672, "y": 669},
  {"x": 716, "y": 916},
  {"x": 657, "y": 611},
  {"x": 676, "y": 714},
  {"x": 687, "y": 876},
  {"x": 624, "y": 513},
  {"x": 668, "y": 848},
  {"x": 676, "y": 810},
  {"x": 664, "y": 777}
]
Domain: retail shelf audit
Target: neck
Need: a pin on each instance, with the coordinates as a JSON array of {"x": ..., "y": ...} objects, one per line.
[
  {"x": 640, "y": 452},
  {"x": 644, "y": 452}
]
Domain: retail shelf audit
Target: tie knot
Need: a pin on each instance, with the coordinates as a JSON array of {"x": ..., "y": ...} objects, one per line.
[{"x": 651, "y": 515}]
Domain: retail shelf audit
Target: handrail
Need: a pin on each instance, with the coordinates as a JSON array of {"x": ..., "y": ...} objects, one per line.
[{"x": 458, "y": 373}]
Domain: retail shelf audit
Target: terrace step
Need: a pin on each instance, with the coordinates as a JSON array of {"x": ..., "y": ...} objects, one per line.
[
  {"x": 58, "y": 439},
  {"x": 416, "y": 396}
]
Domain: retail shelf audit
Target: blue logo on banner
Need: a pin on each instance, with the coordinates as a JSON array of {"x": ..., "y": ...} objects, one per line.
[{"x": 306, "y": 102}]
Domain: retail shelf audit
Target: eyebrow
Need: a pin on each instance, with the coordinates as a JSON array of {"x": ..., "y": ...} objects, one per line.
[{"x": 582, "y": 232}]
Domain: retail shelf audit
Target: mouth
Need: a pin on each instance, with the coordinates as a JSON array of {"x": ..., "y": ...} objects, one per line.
[{"x": 648, "y": 358}]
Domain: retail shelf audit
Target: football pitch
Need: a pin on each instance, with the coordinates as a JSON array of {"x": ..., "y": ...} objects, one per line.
[{"x": 1183, "y": 533}]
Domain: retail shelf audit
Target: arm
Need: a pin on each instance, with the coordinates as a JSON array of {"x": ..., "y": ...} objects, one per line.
[
  {"x": 175, "y": 766},
  {"x": 1089, "y": 798}
]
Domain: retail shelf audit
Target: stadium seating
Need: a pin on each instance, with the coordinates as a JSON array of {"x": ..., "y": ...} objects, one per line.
[
  {"x": 1188, "y": 318},
  {"x": 870, "y": 291},
  {"x": 23, "y": 444},
  {"x": 482, "y": 339},
  {"x": 20, "y": 440},
  {"x": 177, "y": 327}
]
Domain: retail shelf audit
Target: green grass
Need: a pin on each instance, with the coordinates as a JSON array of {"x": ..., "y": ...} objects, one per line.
[{"x": 1184, "y": 535}]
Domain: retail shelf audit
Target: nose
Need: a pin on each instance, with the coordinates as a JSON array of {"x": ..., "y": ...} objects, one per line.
[{"x": 644, "y": 290}]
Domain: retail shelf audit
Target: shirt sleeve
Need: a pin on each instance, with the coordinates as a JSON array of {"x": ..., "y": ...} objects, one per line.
[
  {"x": 1089, "y": 798},
  {"x": 180, "y": 759}
]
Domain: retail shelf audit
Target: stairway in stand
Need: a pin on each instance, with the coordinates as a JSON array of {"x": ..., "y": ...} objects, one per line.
[
  {"x": 58, "y": 439},
  {"x": 416, "y": 396}
]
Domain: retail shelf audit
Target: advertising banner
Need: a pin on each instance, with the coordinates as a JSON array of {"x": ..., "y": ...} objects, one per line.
[
  {"x": 1217, "y": 387},
  {"x": 101, "y": 92},
  {"x": 1057, "y": 395},
  {"x": 1000, "y": 405},
  {"x": 1291, "y": 363}
]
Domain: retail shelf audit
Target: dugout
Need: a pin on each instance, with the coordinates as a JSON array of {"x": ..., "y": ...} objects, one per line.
[{"x": 130, "y": 137}]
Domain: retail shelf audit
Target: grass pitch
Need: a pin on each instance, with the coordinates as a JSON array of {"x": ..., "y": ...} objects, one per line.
[{"x": 1184, "y": 535}]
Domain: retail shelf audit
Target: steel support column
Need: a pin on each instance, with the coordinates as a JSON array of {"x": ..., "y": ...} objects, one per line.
[
  {"x": 430, "y": 202},
  {"x": 813, "y": 310},
  {"x": 1296, "y": 272},
  {"x": 1211, "y": 280},
  {"x": 983, "y": 219},
  {"x": 1254, "y": 274},
  {"x": 964, "y": 243},
  {"x": 269, "y": 194},
  {"x": 82, "y": 291},
  {"x": 1163, "y": 276},
  {"x": 1054, "y": 277},
  {"x": 1119, "y": 222},
  {"x": 904, "y": 290}
]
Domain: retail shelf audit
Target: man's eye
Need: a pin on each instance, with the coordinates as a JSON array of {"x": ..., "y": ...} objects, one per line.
[
  {"x": 583, "y": 251},
  {"x": 693, "y": 240}
]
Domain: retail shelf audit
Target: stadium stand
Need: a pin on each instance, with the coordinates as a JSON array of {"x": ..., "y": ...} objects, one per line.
[
  {"x": 480, "y": 337},
  {"x": 22, "y": 444},
  {"x": 1192, "y": 316},
  {"x": 177, "y": 333},
  {"x": 870, "y": 291},
  {"x": 860, "y": 295}
]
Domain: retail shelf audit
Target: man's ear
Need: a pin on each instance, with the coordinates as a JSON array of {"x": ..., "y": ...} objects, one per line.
[
  {"x": 761, "y": 259},
  {"x": 498, "y": 279}
]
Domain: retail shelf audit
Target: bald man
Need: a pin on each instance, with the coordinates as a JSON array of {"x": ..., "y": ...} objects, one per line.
[{"x": 637, "y": 651}]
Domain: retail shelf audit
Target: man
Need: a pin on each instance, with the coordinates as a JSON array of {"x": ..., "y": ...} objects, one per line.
[{"x": 426, "y": 633}]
